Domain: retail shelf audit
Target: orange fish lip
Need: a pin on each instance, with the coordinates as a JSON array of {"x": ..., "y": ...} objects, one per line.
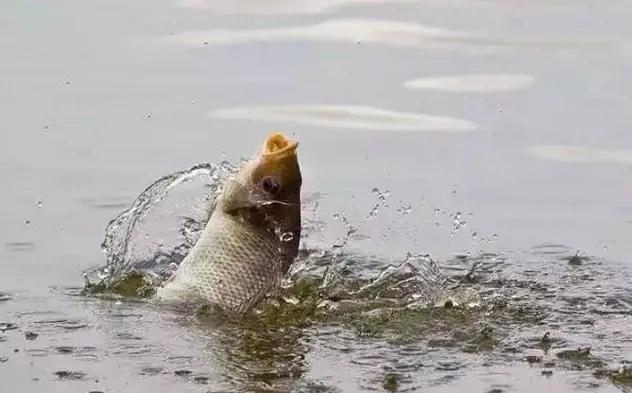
[{"x": 277, "y": 146}]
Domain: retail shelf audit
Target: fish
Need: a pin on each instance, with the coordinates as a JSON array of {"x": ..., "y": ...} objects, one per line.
[{"x": 251, "y": 238}]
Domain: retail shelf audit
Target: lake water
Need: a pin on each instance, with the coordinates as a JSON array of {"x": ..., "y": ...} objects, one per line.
[{"x": 491, "y": 135}]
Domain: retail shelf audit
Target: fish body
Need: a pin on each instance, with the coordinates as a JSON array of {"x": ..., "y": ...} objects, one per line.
[{"x": 251, "y": 238}]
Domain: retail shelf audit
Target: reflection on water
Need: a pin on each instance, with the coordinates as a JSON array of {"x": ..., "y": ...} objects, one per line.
[
  {"x": 277, "y": 7},
  {"x": 584, "y": 154},
  {"x": 251, "y": 355},
  {"x": 353, "y": 31},
  {"x": 478, "y": 83},
  {"x": 375, "y": 31},
  {"x": 347, "y": 116}
]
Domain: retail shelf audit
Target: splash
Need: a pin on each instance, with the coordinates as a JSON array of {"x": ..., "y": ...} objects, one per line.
[
  {"x": 145, "y": 244},
  {"x": 152, "y": 237}
]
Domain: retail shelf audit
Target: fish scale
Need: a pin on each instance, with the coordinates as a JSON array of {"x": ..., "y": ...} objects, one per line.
[
  {"x": 242, "y": 253},
  {"x": 234, "y": 280}
]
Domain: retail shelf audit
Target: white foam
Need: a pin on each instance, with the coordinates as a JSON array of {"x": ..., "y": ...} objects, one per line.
[
  {"x": 347, "y": 116},
  {"x": 473, "y": 83}
]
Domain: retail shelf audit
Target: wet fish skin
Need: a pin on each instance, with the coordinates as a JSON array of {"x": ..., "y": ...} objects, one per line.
[{"x": 252, "y": 236}]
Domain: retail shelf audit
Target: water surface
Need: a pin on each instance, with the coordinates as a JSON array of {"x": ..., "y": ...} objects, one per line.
[{"x": 499, "y": 130}]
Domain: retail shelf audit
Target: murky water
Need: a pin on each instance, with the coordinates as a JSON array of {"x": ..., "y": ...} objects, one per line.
[{"x": 467, "y": 192}]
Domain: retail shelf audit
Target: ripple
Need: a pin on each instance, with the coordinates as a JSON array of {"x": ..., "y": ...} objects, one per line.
[
  {"x": 550, "y": 249},
  {"x": 20, "y": 246},
  {"x": 152, "y": 371},
  {"x": 473, "y": 83},
  {"x": 347, "y": 116},
  {"x": 70, "y": 375},
  {"x": 105, "y": 202},
  {"x": 585, "y": 154},
  {"x": 37, "y": 352},
  {"x": 66, "y": 324},
  {"x": 5, "y": 326}
]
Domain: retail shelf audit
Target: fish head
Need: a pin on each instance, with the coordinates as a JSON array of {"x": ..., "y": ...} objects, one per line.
[{"x": 265, "y": 192}]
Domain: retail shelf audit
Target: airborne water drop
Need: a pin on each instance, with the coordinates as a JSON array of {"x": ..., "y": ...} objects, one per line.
[{"x": 287, "y": 236}]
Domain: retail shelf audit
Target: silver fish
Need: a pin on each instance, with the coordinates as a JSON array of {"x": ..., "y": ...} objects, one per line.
[{"x": 252, "y": 236}]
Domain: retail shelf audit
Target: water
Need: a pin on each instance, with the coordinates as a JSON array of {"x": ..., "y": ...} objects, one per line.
[{"x": 495, "y": 132}]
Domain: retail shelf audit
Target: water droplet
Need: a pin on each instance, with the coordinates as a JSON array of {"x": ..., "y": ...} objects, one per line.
[
  {"x": 45, "y": 128},
  {"x": 382, "y": 195},
  {"x": 226, "y": 166},
  {"x": 457, "y": 222},
  {"x": 474, "y": 235},
  {"x": 39, "y": 204},
  {"x": 27, "y": 223},
  {"x": 495, "y": 236},
  {"x": 437, "y": 211},
  {"x": 287, "y": 237},
  {"x": 336, "y": 216},
  {"x": 405, "y": 210},
  {"x": 373, "y": 212},
  {"x": 149, "y": 115}
]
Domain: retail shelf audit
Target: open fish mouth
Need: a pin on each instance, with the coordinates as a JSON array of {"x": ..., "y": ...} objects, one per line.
[{"x": 277, "y": 146}]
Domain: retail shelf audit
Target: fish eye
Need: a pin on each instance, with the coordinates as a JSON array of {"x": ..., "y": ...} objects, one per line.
[{"x": 270, "y": 185}]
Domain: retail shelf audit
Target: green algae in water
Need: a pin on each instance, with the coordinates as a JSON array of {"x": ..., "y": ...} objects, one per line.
[
  {"x": 306, "y": 288},
  {"x": 579, "y": 359},
  {"x": 483, "y": 342},
  {"x": 621, "y": 377},
  {"x": 130, "y": 284},
  {"x": 391, "y": 382}
]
